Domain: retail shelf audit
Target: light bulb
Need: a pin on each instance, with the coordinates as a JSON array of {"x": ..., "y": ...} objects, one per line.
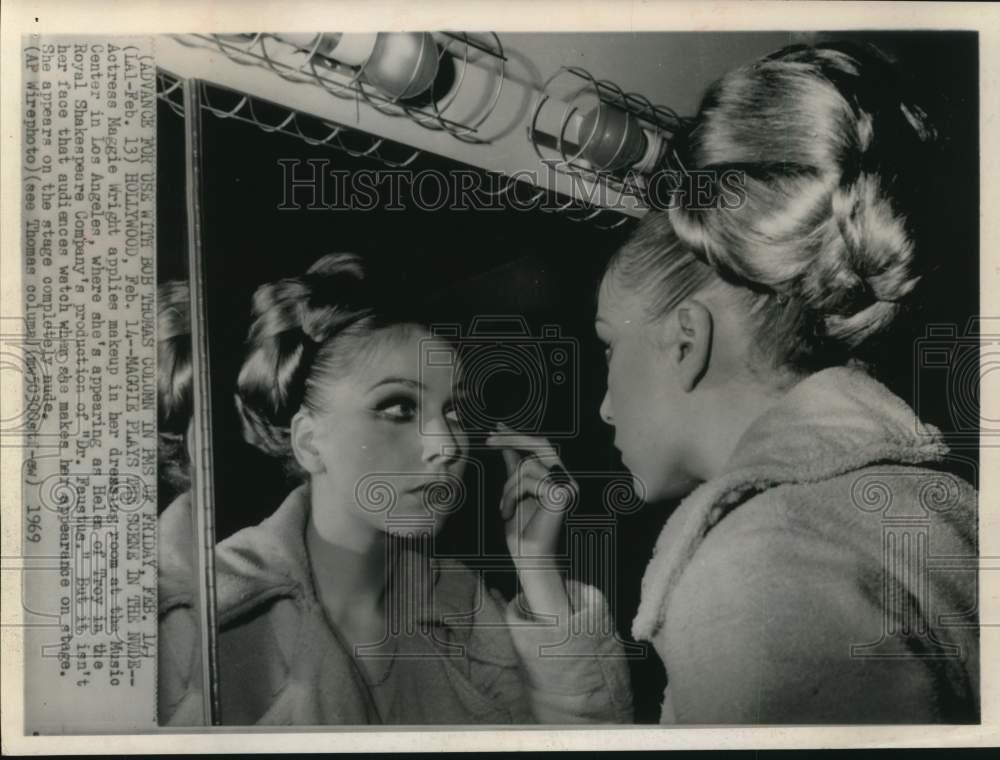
[
  {"x": 402, "y": 64},
  {"x": 350, "y": 49},
  {"x": 611, "y": 138}
]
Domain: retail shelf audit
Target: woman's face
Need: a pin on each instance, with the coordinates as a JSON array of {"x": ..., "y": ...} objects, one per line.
[
  {"x": 644, "y": 402},
  {"x": 390, "y": 450}
]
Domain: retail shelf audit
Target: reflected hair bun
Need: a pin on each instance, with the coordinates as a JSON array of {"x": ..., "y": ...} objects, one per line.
[{"x": 291, "y": 319}]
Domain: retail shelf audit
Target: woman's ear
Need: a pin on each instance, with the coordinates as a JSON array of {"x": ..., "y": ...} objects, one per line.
[
  {"x": 694, "y": 342},
  {"x": 303, "y": 440}
]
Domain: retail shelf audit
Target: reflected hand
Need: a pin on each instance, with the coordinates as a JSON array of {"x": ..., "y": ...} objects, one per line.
[{"x": 536, "y": 496}]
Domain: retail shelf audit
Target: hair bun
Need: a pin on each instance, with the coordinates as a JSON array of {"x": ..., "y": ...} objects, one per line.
[
  {"x": 866, "y": 266},
  {"x": 827, "y": 142},
  {"x": 292, "y": 317},
  {"x": 305, "y": 303},
  {"x": 334, "y": 287}
]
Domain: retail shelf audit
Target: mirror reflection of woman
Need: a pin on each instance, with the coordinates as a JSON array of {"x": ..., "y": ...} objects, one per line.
[
  {"x": 175, "y": 534},
  {"x": 330, "y": 610},
  {"x": 174, "y": 392},
  {"x": 778, "y": 592}
]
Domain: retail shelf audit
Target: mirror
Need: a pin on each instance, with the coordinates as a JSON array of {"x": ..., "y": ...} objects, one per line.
[
  {"x": 179, "y": 535},
  {"x": 523, "y": 280}
]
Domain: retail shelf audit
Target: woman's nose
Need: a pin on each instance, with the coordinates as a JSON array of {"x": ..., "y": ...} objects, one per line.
[
  {"x": 440, "y": 442},
  {"x": 606, "y": 410}
]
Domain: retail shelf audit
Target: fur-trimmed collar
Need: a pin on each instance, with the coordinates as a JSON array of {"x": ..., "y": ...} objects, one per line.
[{"x": 835, "y": 421}]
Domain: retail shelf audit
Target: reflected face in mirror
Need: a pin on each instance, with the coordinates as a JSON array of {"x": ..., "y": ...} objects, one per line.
[
  {"x": 644, "y": 402},
  {"x": 385, "y": 451}
]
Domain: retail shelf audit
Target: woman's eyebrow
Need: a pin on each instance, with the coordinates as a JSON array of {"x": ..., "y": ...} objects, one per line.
[{"x": 409, "y": 382}]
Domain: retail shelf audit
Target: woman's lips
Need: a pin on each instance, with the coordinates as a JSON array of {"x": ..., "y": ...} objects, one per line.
[
  {"x": 435, "y": 482},
  {"x": 440, "y": 483}
]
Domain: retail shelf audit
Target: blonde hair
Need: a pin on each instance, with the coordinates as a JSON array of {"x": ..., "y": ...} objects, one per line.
[
  {"x": 174, "y": 381},
  {"x": 304, "y": 329},
  {"x": 824, "y": 239}
]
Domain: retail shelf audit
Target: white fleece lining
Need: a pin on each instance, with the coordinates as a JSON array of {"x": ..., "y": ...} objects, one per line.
[{"x": 898, "y": 437}]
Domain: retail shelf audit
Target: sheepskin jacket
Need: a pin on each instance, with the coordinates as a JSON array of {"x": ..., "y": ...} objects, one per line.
[
  {"x": 458, "y": 655},
  {"x": 828, "y": 575}
]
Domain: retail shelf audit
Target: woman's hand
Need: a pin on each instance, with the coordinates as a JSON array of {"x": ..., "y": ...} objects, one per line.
[{"x": 535, "y": 499}]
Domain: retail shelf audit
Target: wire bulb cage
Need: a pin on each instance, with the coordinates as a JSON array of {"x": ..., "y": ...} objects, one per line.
[
  {"x": 426, "y": 77},
  {"x": 224, "y": 103},
  {"x": 591, "y": 127},
  {"x": 520, "y": 194}
]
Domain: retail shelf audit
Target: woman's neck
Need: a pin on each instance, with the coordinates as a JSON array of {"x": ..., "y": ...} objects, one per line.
[
  {"x": 348, "y": 561},
  {"x": 726, "y": 420}
]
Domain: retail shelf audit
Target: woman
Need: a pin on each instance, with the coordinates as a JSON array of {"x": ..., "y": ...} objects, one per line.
[
  {"x": 175, "y": 535},
  {"x": 791, "y": 584},
  {"x": 330, "y": 610},
  {"x": 175, "y": 404}
]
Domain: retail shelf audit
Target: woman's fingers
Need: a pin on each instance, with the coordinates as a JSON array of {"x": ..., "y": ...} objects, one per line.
[
  {"x": 536, "y": 495},
  {"x": 507, "y": 439},
  {"x": 511, "y": 459},
  {"x": 554, "y": 489},
  {"x": 517, "y": 489}
]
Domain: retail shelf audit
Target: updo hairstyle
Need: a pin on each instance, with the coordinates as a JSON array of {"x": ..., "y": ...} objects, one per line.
[
  {"x": 306, "y": 329},
  {"x": 832, "y": 156}
]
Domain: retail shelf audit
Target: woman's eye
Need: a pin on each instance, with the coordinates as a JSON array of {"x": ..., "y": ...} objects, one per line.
[{"x": 399, "y": 410}]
